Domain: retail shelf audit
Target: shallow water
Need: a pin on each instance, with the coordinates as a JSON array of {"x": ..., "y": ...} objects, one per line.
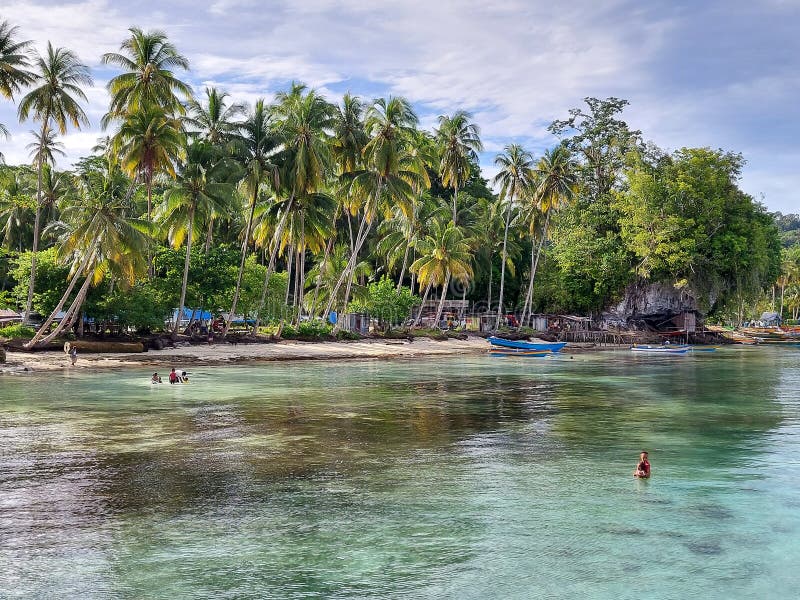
[{"x": 439, "y": 478}]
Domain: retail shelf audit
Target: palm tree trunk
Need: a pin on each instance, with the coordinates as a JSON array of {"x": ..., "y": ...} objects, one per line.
[
  {"x": 209, "y": 234},
  {"x": 783, "y": 289},
  {"x": 185, "y": 271},
  {"x": 60, "y": 305},
  {"x": 352, "y": 266},
  {"x": 422, "y": 305},
  {"x": 441, "y": 300},
  {"x": 455, "y": 203},
  {"x": 274, "y": 246},
  {"x": 491, "y": 272},
  {"x": 302, "y": 274},
  {"x": 346, "y": 271},
  {"x": 72, "y": 310},
  {"x": 403, "y": 270},
  {"x": 36, "y": 219},
  {"x": 328, "y": 248},
  {"x": 503, "y": 265},
  {"x": 241, "y": 264},
  {"x": 534, "y": 267},
  {"x": 529, "y": 292},
  {"x": 289, "y": 264}
]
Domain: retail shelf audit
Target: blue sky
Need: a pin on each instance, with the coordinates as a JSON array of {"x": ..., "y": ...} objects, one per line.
[{"x": 715, "y": 73}]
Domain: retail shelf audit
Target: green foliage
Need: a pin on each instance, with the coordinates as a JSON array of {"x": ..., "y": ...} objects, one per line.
[
  {"x": 17, "y": 331},
  {"x": 142, "y": 307},
  {"x": 384, "y": 302},
  {"x": 307, "y": 331},
  {"x": 51, "y": 280}
]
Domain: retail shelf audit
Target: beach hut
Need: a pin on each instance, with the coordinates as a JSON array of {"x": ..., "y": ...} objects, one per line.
[
  {"x": 9, "y": 317},
  {"x": 354, "y": 323}
]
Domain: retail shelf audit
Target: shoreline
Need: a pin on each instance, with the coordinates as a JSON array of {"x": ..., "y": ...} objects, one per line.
[{"x": 228, "y": 354}]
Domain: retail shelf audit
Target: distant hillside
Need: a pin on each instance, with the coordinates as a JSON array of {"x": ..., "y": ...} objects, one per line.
[{"x": 789, "y": 226}]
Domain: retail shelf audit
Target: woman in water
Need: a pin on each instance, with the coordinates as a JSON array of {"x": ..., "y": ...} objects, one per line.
[{"x": 643, "y": 467}]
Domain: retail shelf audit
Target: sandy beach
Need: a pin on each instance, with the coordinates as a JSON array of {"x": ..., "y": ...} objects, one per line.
[{"x": 230, "y": 354}]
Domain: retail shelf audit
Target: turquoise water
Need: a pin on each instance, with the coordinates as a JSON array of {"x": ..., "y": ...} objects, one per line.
[{"x": 438, "y": 478}]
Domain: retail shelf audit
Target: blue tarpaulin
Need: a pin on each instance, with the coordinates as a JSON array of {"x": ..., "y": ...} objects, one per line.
[{"x": 187, "y": 314}]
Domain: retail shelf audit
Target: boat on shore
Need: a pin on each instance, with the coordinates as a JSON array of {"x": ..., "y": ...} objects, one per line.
[{"x": 497, "y": 342}]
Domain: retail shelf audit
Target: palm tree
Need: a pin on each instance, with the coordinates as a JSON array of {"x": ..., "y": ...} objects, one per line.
[
  {"x": 459, "y": 142},
  {"x": 44, "y": 147},
  {"x": 16, "y": 208},
  {"x": 349, "y": 136},
  {"x": 515, "y": 177},
  {"x": 13, "y": 64},
  {"x": 148, "y": 142},
  {"x": 148, "y": 60},
  {"x": 14, "y": 61},
  {"x": 197, "y": 192},
  {"x": 98, "y": 240},
  {"x": 304, "y": 122},
  {"x": 556, "y": 182},
  {"x": 255, "y": 147},
  {"x": 326, "y": 274},
  {"x": 216, "y": 121},
  {"x": 388, "y": 175},
  {"x": 444, "y": 253},
  {"x": 57, "y": 79}
]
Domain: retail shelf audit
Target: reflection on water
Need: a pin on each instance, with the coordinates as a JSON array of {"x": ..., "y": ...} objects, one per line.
[{"x": 463, "y": 478}]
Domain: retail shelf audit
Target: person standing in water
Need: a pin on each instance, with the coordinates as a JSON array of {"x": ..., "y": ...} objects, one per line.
[{"x": 643, "y": 467}]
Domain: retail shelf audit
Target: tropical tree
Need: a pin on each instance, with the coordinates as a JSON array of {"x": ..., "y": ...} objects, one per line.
[
  {"x": 459, "y": 142},
  {"x": 44, "y": 147},
  {"x": 388, "y": 174},
  {"x": 556, "y": 183},
  {"x": 216, "y": 121},
  {"x": 98, "y": 240},
  {"x": 445, "y": 253},
  {"x": 148, "y": 60},
  {"x": 255, "y": 147},
  {"x": 57, "y": 77},
  {"x": 199, "y": 190},
  {"x": 149, "y": 141},
  {"x": 14, "y": 62},
  {"x": 304, "y": 124},
  {"x": 515, "y": 178},
  {"x": 17, "y": 205}
]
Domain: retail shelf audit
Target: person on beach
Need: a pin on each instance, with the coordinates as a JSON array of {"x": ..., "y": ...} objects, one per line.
[
  {"x": 173, "y": 376},
  {"x": 643, "y": 467},
  {"x": 73, "y": 355}
]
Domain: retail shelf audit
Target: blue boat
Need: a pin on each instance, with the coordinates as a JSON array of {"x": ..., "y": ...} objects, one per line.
[{"x": 520, "y": 345}]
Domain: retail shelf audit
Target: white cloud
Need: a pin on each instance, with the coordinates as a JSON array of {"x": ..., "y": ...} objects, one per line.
[{"x": 515, "y": 64}]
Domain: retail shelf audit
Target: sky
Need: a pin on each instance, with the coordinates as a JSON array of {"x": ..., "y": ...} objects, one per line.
[{"x": 721, "y": 73}]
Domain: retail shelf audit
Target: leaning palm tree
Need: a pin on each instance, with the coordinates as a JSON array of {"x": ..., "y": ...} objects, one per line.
[
  {"x": 198, "y": 191},
  {"x": 445, "y": 253},
  {"x": 98, "y": 240},
  {"x": 147, "y": 60},
  {"x": 556, "y": 182},
  {"x": 255, "y": 147},
  {"x": 459, "y": 143},
  {"x": 216, "y": 121},
  {"x": 515, "y": 177},
  {"x": 54, "y": 99},
  {"x": 149, "y": 141}
]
